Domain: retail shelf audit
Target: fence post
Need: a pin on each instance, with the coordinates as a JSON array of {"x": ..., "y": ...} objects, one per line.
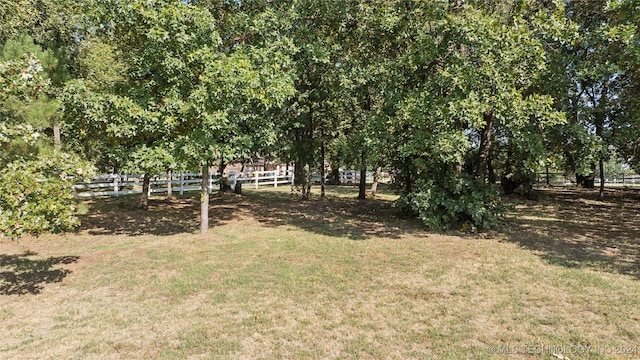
[
  {"x": 256, "y": 175},
  {"x": 181, "y": 183},
  {"x": 210, "y": 182},
  {"x": 115, "y": 185},
  {"x": 275, "y": 176}
]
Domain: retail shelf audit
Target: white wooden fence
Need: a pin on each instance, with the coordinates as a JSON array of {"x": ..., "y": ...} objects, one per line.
[
  {"x": 612, "y": 180},
  {"x": 353, "y": 177},
  {"x": 117, "y": 185}
]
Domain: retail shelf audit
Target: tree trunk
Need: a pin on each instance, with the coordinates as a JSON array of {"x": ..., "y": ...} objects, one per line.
[
  {"x": 57, "y": 140},
  {"x": 204, "y": 200},
  {"x": 490, "y": 169},
  {"x": 144, "y": 199},
  {"x": 587, "y": 181},
  {"x": 299, "y": 175},
  {"x": 601, "y": 166},
  {"x": 334, "y": 175},
  {"x": 309, "y": 181},
  {"x": 362, "y": 191},
  {"x": 169, "y": 184},
  {"x": 485, "y": 145},
  {"x": 322, "y": 164},
  {"x": 601, "y": 117},
  {"x": 306, "y": 182},
  {"x": 457, "y": 170},
  {"x": 406, "y": 175},
  {"x": 237, "y": 189},
  {"x": 376, "y": 179},
  {"x": 547, "y": 176},
  {"x": 221, "y": 182}
]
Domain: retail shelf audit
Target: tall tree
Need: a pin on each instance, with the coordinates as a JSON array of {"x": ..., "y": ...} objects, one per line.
[
  {"x": 471, "y": 73},
  {"x": 35, "y": 194},
  {"x": 588, "y": 82},
  {"x": 314, "y": 24},
  {"x": 183, "y": 88},
  {"x": 623, "y": 29},
  {"x": 147, "y": 106}
]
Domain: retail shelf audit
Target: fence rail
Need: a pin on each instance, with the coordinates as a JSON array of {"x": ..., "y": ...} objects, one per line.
[
  {"x": 614, "y": 180},
  {"x": 353, "y": 177},
  {"x": 119, "y": 185}
]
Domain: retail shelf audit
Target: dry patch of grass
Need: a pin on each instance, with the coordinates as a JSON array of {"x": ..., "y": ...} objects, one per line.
[
  {"x": 332, "y": 278},
  {"x": 574, "y": 228}
]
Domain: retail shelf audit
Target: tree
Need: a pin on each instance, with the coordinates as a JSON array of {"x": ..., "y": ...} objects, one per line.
[
  {"x": 312, "y": 27},
  {"x": 35, "y": 58},
  {"x": 235, "y": 88},
  {"x": 35, "y": 192},
  {"x": 338, "y": 69},
  {"x": 25, "y": 104},
  {"x": 623, "y": 29},
  {"x": 182, "y": 89},
  {"x": 144, "y": 109},
  {"x": 364, "y": 72},
  {"x": 588, "y": 82},
  {"x": 471, "y": 73}
]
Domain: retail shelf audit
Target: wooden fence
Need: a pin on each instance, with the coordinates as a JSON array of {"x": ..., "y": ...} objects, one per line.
[
  {"x": 117, "y": 185},
  {"x": 353, "y": 177},
  {"x": 611, "y": 180}
]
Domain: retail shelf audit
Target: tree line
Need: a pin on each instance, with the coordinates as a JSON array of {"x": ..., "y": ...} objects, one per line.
[{"x": 453, "y": 97}]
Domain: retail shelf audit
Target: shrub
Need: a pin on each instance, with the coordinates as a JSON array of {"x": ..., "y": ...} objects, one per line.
[
  {"x": 36, "y": 196},
  {"x": 463, "y": 202}
]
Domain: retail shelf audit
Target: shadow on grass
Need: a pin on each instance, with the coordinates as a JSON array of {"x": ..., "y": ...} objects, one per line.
[
  {"x": 573, "y": 228},
  {"x": 20, "y": 275},
  {"x": 123, "y": 216},
  {"x": 340, "y": 214}
]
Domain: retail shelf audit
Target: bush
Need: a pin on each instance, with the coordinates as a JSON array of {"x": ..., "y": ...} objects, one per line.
[
  {"x": 463, "y": 203},
  {"x": 36, "y": 196}
]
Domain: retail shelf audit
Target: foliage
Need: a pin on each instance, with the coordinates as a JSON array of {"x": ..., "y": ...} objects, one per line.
[
  {"x": 150, "y": 161},
  {"x": 235, "y": 89},
  {"x": 591, "y": 78},
  {"x": 463, "y": 202},
  {"x": 28, "y": 107},
  {"x": 36, "y": 195},
  {"x": 447, "y": 95},
  {"x": 35, "y": 189},
  {"x": 21, "y": 81},
  {"x": 470, "y": 94},
  {"x": 623, "y": 29}
]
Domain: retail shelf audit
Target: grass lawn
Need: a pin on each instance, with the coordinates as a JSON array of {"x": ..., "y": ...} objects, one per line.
[{"x": 336, "y": 278}]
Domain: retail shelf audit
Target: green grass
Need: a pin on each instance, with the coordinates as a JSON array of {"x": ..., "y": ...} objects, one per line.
[{"x": 335, "y": 278}]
